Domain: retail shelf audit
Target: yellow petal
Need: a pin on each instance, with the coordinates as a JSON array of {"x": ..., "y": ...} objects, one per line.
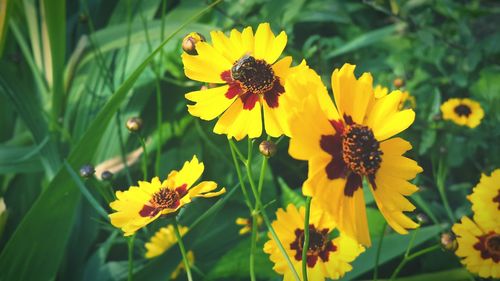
[
  {"x": 190, "y": 172},
  {"x": 210, "y": 103},
  {"x": 238, "y": 122}
]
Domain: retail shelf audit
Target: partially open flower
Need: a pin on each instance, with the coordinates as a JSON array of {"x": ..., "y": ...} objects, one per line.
[
  {"x": 267, "y": 148},
  {"x": 189, "y": 42},
  {"x": 140, "y": 205},
  {"x": 449, "y": 241},
  {"x": 398, "y": 82}
]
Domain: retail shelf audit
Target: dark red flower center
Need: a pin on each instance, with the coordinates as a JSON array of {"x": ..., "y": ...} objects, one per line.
[
  {"x": 319, "y": 245},
  {"x": 463, "y": 110},
  {"x": 250, "y": 78},
  {"x": 355, "y": 153},
  {"x": 497, "y": 199},
  {"x": 165, "y": 198},
  {"x": 489, "y": 246}
]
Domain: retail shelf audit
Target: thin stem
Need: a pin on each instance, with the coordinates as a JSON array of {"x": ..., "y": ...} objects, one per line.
[
  {"x": 412, "y": 257},
  {"x": 259, "y": 207},
  {"x": 131, "y": 258},
  {"x": 305, "y": 247},
  {"x": 237, "y": 151},
  {"x": 183, "y": 250},
  {"x": 253, "y": 247},
  {"x": 240, "y": 177},
  {"x": 262, "y": 173},
  {"x": 123, "y": 152},
  {"x": 144, "y": 157},
  {"x": 440, "y": 182},
  {"x": 379, "y": 250}
]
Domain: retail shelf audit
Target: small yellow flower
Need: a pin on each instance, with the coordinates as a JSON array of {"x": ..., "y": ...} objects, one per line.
[
  {"x": 479, "y": 247},
  {"x": 251, "y": 80},
  {"x": 161, "y": 241},
  {"x": 140, "y": 205},
  {"x": 246, "y": 224},
  {"x": 326, "y": 258},
  {"x": 407, "y": 100},
  {"x": 352, "y": 140},
  {"x": 464, "y": 112},
  {"x": 485, "y": 199}
]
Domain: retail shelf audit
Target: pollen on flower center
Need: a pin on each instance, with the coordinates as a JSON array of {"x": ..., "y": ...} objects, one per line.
[
  {"x": 165, "y": 198},
  {"x": 463, "y": 110},
  {"x": 361, "y": 151},
  {"x": 255, "y": 76},
  {"x": 319, "y": 245}
]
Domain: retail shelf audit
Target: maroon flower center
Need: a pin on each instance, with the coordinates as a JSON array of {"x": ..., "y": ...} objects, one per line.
[
  {"x": 165, "y": 198},
  {"x": 319, "y": 245},
  {"x": 250, "y": 78},
  {"x": 355, "y": 153},
  {"x": 463, "y": 110},
  {"x": 360, "y": 150},
  {"x": 497, "y": 199},
  {"x": 489, "y": 246}
]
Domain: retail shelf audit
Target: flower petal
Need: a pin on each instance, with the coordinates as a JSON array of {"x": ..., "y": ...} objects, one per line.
[
  {"x": 210, "y": 103},
  {"x": 238, "y": 122}
]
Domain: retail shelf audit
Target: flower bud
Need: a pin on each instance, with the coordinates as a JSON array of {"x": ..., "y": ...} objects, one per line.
[
  {"x": 86, "y": 171},
  {"x": 449, "y": 241},
  {"x": 267, "y": 148},
  {"x": 398, "y": 82},
  {"x": 134, "y": 124},
  {"x": 189, "y": 42},
  {"x": 422, "y": 218},
  {"x": 107, "y": 176}
]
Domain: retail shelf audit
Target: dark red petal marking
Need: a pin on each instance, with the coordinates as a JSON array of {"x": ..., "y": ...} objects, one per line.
[
  {"x": 348, "y": 119},
  {"x": 336, "y": 169},
  {"x": 249, "y": 100},
  {"x": 319, "y": 245},
  {"x": 234, "y": 87},
  {"x": 352, "y": 184},
  {"x": 181, "y": 190},
  {"x": 497, "y": 199},
  {"x": 271, "y": 96},
  {"x": 371, "y": 179},
  {"x": 148, "y": 211},
  {"x": 489, "y": 246},
  {"x": 338, "y": 125},
  {"x": 332, "y": 144}
]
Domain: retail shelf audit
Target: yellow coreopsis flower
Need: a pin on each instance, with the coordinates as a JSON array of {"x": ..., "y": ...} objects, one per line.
[
  {"x": 351, "y": 141},
  {"x": 479, "y": 247},
  {"x": 246, "y": 224},
  {"x": 326, "y": 258},
  {"x": 140, "y": 205},
  {"x": 250, "y": 77},
  {"x": 463, "y": 112},
  {"x": 485, "y": 199},
  {"x": 162, "y": 240}
]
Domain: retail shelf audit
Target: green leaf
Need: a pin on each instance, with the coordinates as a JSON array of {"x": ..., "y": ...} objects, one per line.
[
  {"x": 289, "y": 196},
  {"x": 27, "y": 250},
  {"x": 393, "y": 245},
  {"x": 4, "y": 19},
  {"x": 375, "y": 221},
  {"x": 367, "y": 39},
  {"x": 235, "y": 263}
]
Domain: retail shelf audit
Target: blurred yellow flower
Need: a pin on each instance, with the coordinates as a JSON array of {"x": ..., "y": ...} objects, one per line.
[
  {"x": 246, "y": 65},
  {"x": 463, "y": 112},
  {"x": 351, "y": 141},
  {"x": 140, "y": 205},
  {"x": 485, "y": 199},
  {"x": 479, "y": 247},
  {"x": 161, "y": 241},
  {"x": 246, "y": 224},
  {"x": 326, "y": 258}
]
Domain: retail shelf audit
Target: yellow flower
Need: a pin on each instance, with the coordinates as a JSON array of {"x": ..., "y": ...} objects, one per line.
[
  {"x": 247, "y": 224},
  {"x": 479, "y": 247},
  {"x": 407, "y": 100},
  {"x": 246, "y": 66},
  {"x": 464, "y": 112},
  {"x": 352, "y": 141},
  {"x": 140, "y": 205},
  {"x": 485, "y": 199},
  {"x": 163, "y": 239},
  {"x": 325, "y": 258},
  {"x": 380, "y": 91}
]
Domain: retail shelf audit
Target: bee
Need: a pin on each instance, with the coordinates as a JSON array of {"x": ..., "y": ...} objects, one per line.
[{"x": 241, "y": 68}]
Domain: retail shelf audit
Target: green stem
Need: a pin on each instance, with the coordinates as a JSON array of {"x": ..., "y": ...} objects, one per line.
[
  {"x": 253, "y": 247},
  {"x": 440, "y": 182},
  {"x": 262, "y": 172},
  {"x": 259, "y": 207},
  {"x": 240, "y": 177},
  {"x": 183, "y": 250},
  {"x": 305, "y": 247},
  {"x": 123, "y": 152},
  {"x": 131, "y": 258},
  {"x": 379, "y": 250},
  {"x": 411, "y": 257},
  {"x": 144, "y": 157}
]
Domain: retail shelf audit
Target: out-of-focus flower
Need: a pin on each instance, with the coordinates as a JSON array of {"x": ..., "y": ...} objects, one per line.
[
  {"x": 326, "y": 258},
  {"x": 485, "y": 200},
  {"x": 140, "y": 205},
  {"x": 349, "y": 141},
  {"x": 463, "y": 112},
  {"x": 246, "y": 224}
]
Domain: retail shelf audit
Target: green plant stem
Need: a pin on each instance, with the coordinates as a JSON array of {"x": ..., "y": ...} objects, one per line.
[
  {"x": 305, "y": 247},
  {"x": 259, "y": 208},
  {"x": 131, "y": 257},
  {"x": 144, "y": 157},
  {"x": 240, "y": 177},
  {"x": 262, "y": 172},
  {"x": 123, "y": 152},
  {"x": 253, "y": 247},
  {"x": 183, "y": 250},
  {"x": 379, "y": 250},
  {"x": 409, "y": 258},
  {"x": 440, "y": 182}
]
